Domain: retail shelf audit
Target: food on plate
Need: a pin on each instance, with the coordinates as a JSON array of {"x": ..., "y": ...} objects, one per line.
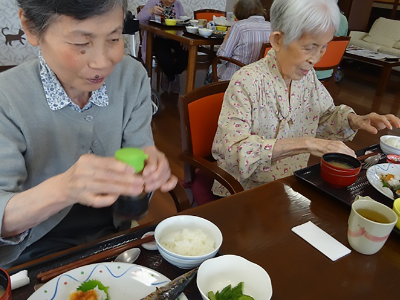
[
  {"x": 189, "y": 242},
  {"x": 174, "y": 288},
  {"x": 394, "y": 142},
  {"x": 392, "y": 182},
  {"x": 229, "y": 293},
  {"x": 90, "y": 290}
]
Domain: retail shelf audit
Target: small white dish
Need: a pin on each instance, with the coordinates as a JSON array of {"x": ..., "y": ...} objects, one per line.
[
  {"x": 192, "y": 29},
  {"x": 205, "y": 32},
  {"x": 374, "y": 177},
  {"x": 194, "y": 22},
  {"x": 216, "y": 273}
]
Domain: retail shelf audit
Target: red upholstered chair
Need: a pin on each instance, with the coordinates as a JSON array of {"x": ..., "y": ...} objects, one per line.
[
  {"x": 200, "y": 111},
  {"x": 208, "y": 14},
  {"x": 332, "y": 57}
]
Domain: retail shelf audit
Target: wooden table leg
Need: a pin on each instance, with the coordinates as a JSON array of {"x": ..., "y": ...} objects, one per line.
[
  {"x": 149, "y": 52},
  {"x": 191, "y": 69},
  {"x": 383, "y": 81}
]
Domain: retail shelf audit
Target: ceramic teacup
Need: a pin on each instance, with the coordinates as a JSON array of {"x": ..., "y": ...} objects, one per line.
[
  {"x": 194, "y": 23},
  {"x": 370, "y": 224},
  {"x": 5, "y": 285}
]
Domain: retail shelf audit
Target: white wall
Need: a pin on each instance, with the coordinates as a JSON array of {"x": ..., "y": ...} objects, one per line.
[
  {"x": 230, "y": 4},
  {"x": 20, "y": 50}
]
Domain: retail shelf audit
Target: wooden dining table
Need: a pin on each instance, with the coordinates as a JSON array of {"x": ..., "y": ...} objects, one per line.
[
  {"x": 256, "y": 225},
  {"x": 176, "y": 33}
]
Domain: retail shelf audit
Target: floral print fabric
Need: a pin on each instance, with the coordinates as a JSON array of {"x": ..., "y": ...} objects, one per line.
[
  {"x": 257, "y": 111},
  {"x": 56, "y": 96},
  {"x": 169, "y": 11}
]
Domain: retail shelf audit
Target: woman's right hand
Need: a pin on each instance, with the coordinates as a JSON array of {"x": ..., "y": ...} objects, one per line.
[
  {"x": 98, "y": 181},
  {"x": 320, "y": 147},
  {"x": 156, "y": 10}
]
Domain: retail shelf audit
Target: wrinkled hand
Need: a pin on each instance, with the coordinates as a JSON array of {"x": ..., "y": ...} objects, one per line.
[
  {"x": 98, "y": 181},
  {"x": 373, "y": 122},
  {"x": 157, "y": 173},
  {"x": 156, "y": 10},
  {"x": 320, "y": 147}
]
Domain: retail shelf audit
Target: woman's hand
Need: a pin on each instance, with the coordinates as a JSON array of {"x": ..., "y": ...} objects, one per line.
[
  {"x": 320, "y": 147},
  {"x": 156, "y": 10},
  {"x": 292, "y": 146},
  {"x": 98, "y": 181},
  {"x": 157, "y": 173},
  {"x": 373, "y": 122}
]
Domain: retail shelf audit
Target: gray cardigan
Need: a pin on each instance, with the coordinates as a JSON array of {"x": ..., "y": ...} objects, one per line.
[{"x": 37, "y": 143}]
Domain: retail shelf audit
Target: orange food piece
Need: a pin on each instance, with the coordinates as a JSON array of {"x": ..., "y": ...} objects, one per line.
[{"x": 79, "y": 295}]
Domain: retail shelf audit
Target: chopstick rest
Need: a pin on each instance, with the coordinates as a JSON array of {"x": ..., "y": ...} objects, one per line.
[
  {"x": 320, "y": 240},
  {"x": 19, "y": 279}
]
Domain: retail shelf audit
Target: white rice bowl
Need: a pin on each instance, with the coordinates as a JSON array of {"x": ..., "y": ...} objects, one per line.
[
  {"x": 390, "y": 144},
  {"x": 186, "y": 241}
]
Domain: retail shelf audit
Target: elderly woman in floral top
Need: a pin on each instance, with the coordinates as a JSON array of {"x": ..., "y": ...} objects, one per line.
[{"x": 276, "y": 112}]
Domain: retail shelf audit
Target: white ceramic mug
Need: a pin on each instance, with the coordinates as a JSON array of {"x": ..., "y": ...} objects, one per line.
[{"x": 367, "y": 236}]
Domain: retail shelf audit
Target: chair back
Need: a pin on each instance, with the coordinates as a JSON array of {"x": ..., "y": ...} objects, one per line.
[
  {"x": 333, "y": 55},
  {"x": 264, "y": 50},
  {"x": 201, "y": 108},
  {"x": 208, "y": 14}
]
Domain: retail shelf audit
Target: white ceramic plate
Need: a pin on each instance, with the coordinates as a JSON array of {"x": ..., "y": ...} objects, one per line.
[
  {"x": 125, "y": 281},
  {"x": 374, "y": 177}
]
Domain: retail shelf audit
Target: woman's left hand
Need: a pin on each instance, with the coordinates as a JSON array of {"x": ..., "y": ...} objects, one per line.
[
  {"x": 157, "y": 173},
  {"x": 373, "y": 122}
]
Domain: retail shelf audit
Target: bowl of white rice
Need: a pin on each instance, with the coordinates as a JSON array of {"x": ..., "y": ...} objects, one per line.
[
  {"x": 186, "y": 241},
  {"x": 390, "y": 144}
]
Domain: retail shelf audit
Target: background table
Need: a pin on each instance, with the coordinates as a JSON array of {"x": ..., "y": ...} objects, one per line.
[
  {"x": 386, "y": 70},
  {"x": 176, "y": 33}
]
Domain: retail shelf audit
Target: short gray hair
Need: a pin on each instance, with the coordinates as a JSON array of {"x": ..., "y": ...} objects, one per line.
[
  {"x": 294, "y": 18},
  {"x": 40, "y": 13}
]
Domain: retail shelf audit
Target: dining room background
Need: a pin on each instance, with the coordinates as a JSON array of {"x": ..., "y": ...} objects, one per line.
[{"x": 14, "y": 48}]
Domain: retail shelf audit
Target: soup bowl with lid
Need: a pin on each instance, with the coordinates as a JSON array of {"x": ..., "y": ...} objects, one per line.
[{"x": 339, "y": 170}]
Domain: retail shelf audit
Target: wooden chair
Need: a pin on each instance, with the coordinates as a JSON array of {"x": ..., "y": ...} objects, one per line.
[
  {"x": 332, "y": 57},
  {"x": 217, "y": 60},
  {"x": 208, "y": 14},
  {"x": 181, "y": 200},
  {"x": 264, "y": 50},
  {"x": 200, "y": 111}
]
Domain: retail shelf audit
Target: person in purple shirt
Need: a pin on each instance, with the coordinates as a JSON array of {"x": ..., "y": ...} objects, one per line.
[{"x": 169, "y": 9}]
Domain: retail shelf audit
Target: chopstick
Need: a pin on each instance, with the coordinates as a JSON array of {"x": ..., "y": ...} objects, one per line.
[
  {"x": 46, "y": 276},
  {"x": 363, "y": 157}
]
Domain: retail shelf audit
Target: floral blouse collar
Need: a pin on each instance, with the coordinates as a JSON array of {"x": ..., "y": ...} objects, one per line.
[{"x": 56, "y": 96}]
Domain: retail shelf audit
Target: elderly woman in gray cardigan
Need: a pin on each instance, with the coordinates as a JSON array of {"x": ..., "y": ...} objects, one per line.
[{"x": 62, "y": 117}]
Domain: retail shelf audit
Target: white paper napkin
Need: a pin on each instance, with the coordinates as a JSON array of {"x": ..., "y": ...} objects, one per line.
[
  {"x": 19, "y": 279},
  {"x": 320, "y": 240}
]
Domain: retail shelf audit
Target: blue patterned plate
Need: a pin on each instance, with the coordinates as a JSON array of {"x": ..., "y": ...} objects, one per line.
[
  {"x": 125, "y": 281},
  {"x": 374, "y": 177}
]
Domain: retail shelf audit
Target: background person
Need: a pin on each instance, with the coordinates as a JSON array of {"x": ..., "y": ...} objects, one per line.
[
  {"x": 62, "y": 117},
  {"x": 244, "y": 39},
  {"x": 276, "y": 112},
  {"x": 171, "y": 64}
]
